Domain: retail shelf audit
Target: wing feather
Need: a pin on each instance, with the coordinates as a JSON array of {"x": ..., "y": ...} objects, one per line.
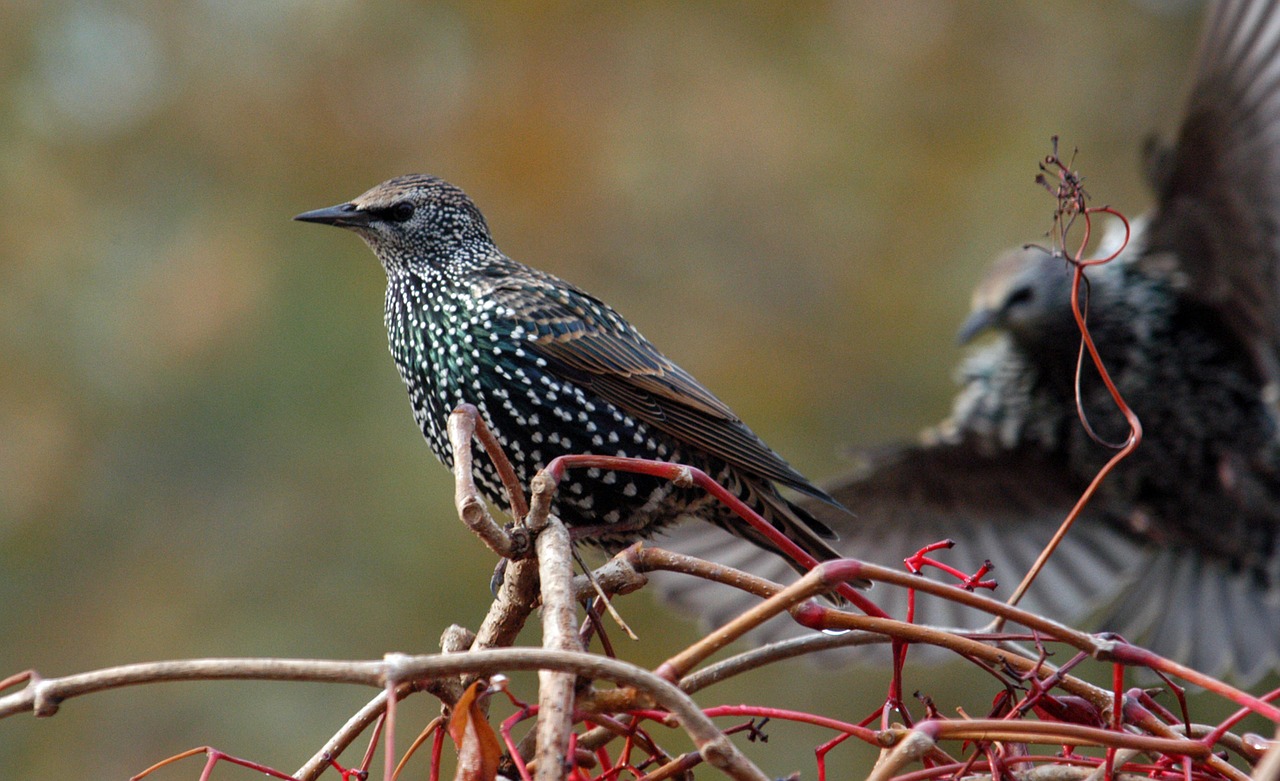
[
  {"x": 1219, "y": 186},
  {"x": 585, "y": 341}
]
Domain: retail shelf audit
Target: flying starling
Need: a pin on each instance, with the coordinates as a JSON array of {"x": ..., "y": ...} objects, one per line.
[
  {"x": 555, "y": 371},
  {"x": 1180, "y": 549}
]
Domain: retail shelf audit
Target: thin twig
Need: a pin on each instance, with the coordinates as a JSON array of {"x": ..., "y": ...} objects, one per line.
[
  {"x": 463, "y": 423},
  {"x": 493, "y": 448},
  {"x": 604, "y": 599},
  {"x": 1269, "y": 768},
  {"x": 777, "y": 651},
  {"x": 355, "y": 726},
  {"x": 43, "y": 696},
  {"x": 712, "y": 744},
  {"x": 1071, "y": 204}
]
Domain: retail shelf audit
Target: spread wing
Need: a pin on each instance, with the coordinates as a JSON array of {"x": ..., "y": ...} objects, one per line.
[
  {"x": 585, "y": 341},
  {"x": 1216, "y": 226},
  {"x": 1004, "y": 507},
  {"x": 1001, "y": 507}
]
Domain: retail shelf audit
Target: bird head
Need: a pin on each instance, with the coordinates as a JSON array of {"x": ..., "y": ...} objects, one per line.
[
  {"x": 1026, "y": 293},
  {"x": 409, "y": 219}
]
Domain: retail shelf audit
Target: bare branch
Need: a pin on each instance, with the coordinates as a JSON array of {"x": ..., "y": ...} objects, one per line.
[
  {"x": 355, "y": 726},
  {"x": 1269, "y": 768},
  {"x": 775, "y": 652},
  {"x": 463, "y": 425},
  {"x": 43, "y": 696},
  {"x": 517, "y": 597},
  {"x": 559, "y": 632},
  {"x": 714, "y": 746}
]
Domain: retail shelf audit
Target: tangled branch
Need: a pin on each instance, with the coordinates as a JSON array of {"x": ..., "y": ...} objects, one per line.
[{"x": 597, "y": 717}]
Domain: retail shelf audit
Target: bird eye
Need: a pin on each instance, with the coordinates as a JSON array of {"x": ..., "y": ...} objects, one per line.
[
  {"x": 400, "y": 212},
  {"x": 1022, "y": 295}
]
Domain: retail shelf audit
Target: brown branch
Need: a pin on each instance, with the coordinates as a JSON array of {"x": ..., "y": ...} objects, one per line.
[
  {"x": 44, "y": 695},
  {"x": 645, "y": 558},
  {"x": 914, "y": 744},
  {"x": 648, "y": 559},
  {"x": 1059, "y": 733},
  {"x": 463, "y": 425},
  {"x": 355, "y": 726},
  {"x": 616, "y": 576},
  {"x": 821, "y": 579},
  {"x": 517, "y": 597},
  {"x": 712, "y": 744},
  {"x": 1269, "y": 768},
  {"x": 518, "y": 593},
  {"x": 1081, "y": 640},
  {"x": 559, "y": 632},
  {"x": 492, "y": 447},
  {"x": 774, "y": 652}
]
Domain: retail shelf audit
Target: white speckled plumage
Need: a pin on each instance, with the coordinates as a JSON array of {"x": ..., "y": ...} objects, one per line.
[{"x": 555, "y": 371}]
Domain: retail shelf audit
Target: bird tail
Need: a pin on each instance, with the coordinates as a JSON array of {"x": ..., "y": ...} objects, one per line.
[
  {"x": 798, "y": 525},
  {"x": 749, "y": 551}
]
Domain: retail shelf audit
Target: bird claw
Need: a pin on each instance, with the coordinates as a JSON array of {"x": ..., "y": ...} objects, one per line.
[{"x": 499, "y": 574}]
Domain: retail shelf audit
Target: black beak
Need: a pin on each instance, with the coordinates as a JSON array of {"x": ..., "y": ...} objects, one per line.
[
  {"x": 975, "y": 324},
  {"x": 344, "y": 215}
]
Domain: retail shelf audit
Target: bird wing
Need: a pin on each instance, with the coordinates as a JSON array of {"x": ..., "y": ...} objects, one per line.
[
  {"x": 585, "y": 341},
  {"x": 1218, "y": 187},
  {"x": 909, "y": 496},
  {"x": 1003, "y": 507}
]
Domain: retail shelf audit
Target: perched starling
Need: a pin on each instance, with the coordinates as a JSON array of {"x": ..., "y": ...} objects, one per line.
[
  {"x": 1179, "y": 550},
  {"x": 555, "y": 371}
]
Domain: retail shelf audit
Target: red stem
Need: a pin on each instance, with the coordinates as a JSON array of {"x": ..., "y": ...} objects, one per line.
[{"x": 680, "y": 473}]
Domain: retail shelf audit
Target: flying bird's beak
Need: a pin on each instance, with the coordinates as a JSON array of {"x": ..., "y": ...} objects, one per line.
[
  {"x": 344, "y": 215},
  {"x": 978, "y": 321}
]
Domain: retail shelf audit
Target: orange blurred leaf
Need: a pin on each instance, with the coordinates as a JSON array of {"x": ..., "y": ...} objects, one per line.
[{"x": 478, "y": 748}]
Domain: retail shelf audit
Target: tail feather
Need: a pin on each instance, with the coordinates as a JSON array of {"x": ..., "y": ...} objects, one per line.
[{"x": 801, "y": 527}]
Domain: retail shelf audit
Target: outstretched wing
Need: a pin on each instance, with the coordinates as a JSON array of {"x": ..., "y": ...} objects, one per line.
[
  {"x": 1004, "y": 507},
  {"x": 1001, "y": 507},
  {"x": 1216, "y": 227}
]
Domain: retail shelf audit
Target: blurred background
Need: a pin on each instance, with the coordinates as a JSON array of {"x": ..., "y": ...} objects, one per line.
[{"x": 204, "y": 447}]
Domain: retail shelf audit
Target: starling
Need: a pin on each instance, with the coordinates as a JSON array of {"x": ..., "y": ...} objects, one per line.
[
  {"x": 1180, "y": 549},
  {"x": 555, "y": 371}
]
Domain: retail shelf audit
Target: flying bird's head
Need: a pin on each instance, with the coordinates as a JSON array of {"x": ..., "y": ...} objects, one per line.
[{"x": 1027, "y": 294}]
